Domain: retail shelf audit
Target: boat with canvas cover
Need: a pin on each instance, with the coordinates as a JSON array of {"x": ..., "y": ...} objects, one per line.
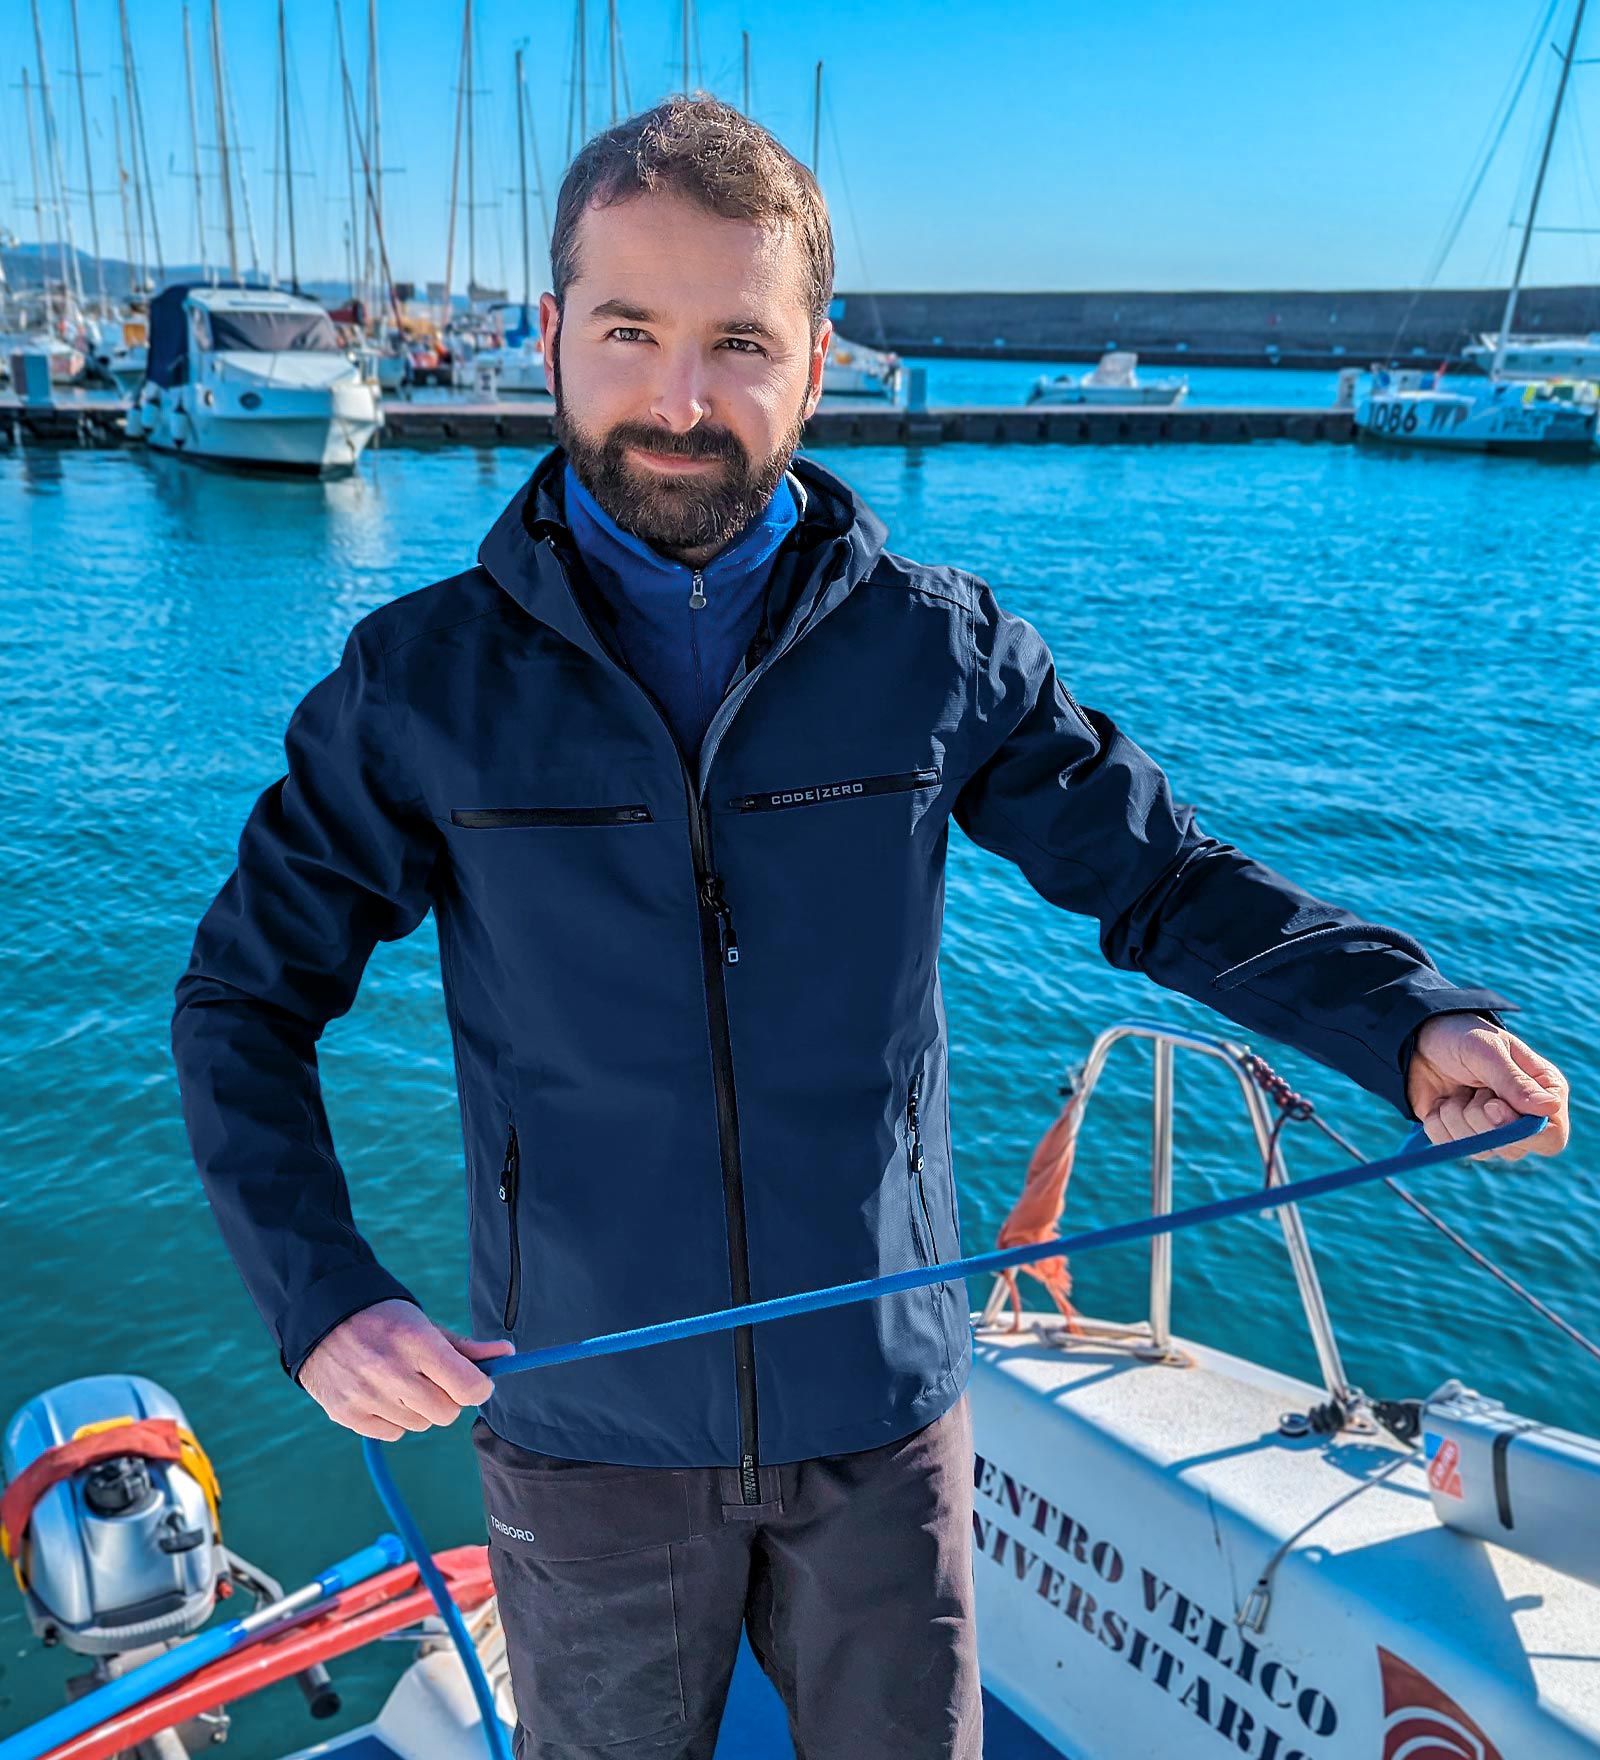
[
  {"x": 1178, "y": 1551},
  {"x": 252, "y": 376}
]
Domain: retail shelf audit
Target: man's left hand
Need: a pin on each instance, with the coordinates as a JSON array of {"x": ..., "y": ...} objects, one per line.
[{"x": 1467, "y": 1075}]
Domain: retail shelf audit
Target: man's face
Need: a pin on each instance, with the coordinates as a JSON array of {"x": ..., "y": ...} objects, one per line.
[{"x": 683, "y": 371}]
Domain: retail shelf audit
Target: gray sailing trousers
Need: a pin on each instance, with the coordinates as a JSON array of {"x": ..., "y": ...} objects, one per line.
[{"x": 623, "y": 1592}]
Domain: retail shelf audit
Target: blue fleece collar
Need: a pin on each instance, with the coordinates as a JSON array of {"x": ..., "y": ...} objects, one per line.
[{"x": 748, "y": 551}]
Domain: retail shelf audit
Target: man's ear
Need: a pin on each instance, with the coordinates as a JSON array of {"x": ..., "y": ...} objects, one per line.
[
  {"x": 819, "y": 359},
  {"x": 549, "y": 329}
]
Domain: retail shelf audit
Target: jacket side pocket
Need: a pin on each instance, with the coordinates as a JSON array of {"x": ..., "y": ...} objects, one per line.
[{"x": 510, "y": 1179}]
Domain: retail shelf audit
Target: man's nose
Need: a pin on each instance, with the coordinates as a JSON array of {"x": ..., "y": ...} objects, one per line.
[{"x": 681, "y": 399}]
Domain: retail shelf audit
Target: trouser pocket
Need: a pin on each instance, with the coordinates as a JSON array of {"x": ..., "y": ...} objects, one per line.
[{"x": 581, "y": 1556}]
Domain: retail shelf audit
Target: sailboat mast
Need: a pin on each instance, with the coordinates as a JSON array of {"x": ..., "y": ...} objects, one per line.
[
  {"x": 522, "y": 189},
  {"x": 816, "y": 124},
  {"x": 472, "y": 181},
  {"x": 288, "y": 152},
  {"x": 611, "y": 53},
  {"x": 222, "y": 139},
  {"x": 88, "y": 167},
  {"x": 129, "y": 243},
  {"x": 455, "y": 167},
  {"x": 686, "y": 48},
  {"x": 583, "y": 73},
  {"x": 38, "y": 205},
  {"x": 194, "y": 139},
  {"x": 744, "y": 37},
  {"x": 71, "y": 286},
  {"x": 377, "y": 140},
  {"x": 130, "y": 87},
  {"x": 1538, "y": 185}
]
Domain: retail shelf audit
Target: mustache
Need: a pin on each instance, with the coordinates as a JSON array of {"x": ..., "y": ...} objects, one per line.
[{"x": 712, "y": 443}]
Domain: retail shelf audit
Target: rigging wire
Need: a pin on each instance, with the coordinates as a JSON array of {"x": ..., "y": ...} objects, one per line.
[
  {"x": 1488, "y": 148},
  {"x": 1294, "y": 1108}
]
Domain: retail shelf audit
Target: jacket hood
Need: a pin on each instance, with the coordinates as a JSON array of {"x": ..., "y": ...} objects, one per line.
[{"x": 836, "y": 543}]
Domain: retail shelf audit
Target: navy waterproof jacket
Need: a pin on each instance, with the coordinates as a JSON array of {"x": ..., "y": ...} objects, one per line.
[{"x": 699, "y": 1038}]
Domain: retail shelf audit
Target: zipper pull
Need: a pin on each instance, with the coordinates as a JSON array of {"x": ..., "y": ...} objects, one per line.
[
  {"x": 749, "y": 1485},
  {"x": 915, "y": 1145},
  {"x": 711, "y": 897},
  {"x": 697, "y": 593},
  {"x": 509, "y": 1171}
]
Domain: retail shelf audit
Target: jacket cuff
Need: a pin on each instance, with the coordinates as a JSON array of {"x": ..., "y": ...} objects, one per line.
[
  {"x": 1409, "y": 1022},
  {"x": 328, "y": 1302}
]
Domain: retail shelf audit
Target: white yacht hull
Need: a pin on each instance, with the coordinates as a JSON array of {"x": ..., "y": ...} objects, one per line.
[
  {"x": 1539, "y": 357},
  {"x": 322, "y": 432},
  {"x": 1138, "y": 396}
]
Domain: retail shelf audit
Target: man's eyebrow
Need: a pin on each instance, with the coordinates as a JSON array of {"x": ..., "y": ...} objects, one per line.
[{"x": 620, "y": 308}]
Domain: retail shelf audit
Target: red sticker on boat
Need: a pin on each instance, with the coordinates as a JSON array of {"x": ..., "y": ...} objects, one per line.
[
  {"x": 1444, "y": 1466},
  {"x": 1420, "y": 1722}
]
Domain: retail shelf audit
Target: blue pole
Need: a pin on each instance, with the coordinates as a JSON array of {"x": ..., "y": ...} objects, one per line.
[{"x": 179, "y": 1663}]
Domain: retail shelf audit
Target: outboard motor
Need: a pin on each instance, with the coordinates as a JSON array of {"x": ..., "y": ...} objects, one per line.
[
  {"x": 109, "y": 1522},
  {"x": 125, "y": 1550}
]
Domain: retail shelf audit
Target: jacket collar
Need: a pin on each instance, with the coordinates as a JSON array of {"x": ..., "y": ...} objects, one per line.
[
  {"x": 626, "y": 555},
  {"x": 834, "y": 546}
]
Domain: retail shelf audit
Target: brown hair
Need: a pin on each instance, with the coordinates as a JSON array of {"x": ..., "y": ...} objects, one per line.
[{"x": 713, "y": 154}]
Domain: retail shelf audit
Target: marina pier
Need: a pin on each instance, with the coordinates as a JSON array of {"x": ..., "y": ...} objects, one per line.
[{"x": 838, "y": 422}]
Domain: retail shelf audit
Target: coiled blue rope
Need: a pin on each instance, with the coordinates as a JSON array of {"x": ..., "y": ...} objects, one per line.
[{"x": 1415, "y": 1152}]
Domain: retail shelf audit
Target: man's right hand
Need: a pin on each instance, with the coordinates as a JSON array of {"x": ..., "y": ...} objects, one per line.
[{"x": 389, "y": 1369}]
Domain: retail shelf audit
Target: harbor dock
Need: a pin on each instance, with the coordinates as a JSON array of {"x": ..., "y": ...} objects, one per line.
[{"x": 842, "y": 421}]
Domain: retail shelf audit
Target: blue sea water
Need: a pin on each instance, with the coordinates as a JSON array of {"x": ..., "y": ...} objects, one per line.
[{"x": 1376, "y": 672}]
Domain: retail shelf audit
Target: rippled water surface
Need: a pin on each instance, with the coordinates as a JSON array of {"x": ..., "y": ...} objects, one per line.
[{"x": 1376, "y": 672}]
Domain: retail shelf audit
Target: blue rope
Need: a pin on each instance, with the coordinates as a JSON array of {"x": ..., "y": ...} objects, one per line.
[{"x": 1415, "y": 1152}]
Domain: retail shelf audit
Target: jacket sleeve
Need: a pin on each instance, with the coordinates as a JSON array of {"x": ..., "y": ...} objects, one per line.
[
  {"x": 333, "y": 859},
  {"x": 1089, "y": 819}
]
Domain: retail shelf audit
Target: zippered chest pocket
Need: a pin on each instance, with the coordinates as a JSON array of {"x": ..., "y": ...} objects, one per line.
[
  {"x": 523, "y": 818},
  {"x": 813, "y": 794}
]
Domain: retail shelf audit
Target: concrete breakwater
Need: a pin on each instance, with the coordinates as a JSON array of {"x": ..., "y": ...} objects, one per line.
[{"x": 1287, "y": 328}]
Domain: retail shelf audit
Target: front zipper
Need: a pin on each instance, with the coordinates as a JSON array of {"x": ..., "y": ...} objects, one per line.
[
  {"x": 510, "y": 1172},
  {"x": 718, "y": 949},
  {"x": 494, "y": 818},
  {"x": 894, "y": 783},
  {"x": 914, "y": 1161}
]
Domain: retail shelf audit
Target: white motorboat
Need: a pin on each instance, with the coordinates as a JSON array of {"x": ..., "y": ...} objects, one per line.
[
  {"x": 1179, "y": 1552},
  {"x": 854, "y": 370},
  {"x": 1114, "y": 381},
  {"x": 1544, "y": 417},
  {"x": 252, "y": 377},
  {"x": 1537, "y": 357}
]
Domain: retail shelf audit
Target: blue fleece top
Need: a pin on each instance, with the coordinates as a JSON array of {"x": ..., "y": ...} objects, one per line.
[{"x": 684, "y": 655}]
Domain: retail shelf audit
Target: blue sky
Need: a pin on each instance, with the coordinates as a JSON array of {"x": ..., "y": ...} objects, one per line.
[{"x": 1081, "y": 144}]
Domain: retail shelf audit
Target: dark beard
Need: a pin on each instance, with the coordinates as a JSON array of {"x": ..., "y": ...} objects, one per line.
[{"x": 671, "y": 514}]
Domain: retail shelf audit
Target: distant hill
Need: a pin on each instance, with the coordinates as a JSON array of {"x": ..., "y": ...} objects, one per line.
[{"x": 25, "y": 266}]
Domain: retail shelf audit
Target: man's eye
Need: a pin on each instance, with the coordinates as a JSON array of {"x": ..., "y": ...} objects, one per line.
[{"x": 744, "y": 344}]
